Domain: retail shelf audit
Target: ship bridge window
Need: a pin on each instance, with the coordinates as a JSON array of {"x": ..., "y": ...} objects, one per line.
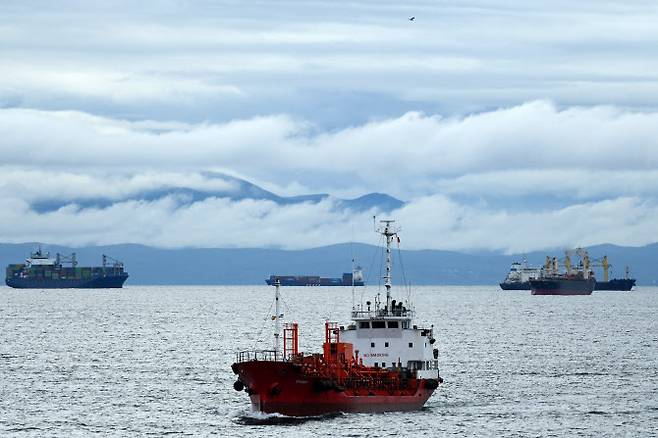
[
  {"x": 415, "y": 364},
  {"x": 411, "y": 345},
  {"x": 392, "y": 324},
  {"x": 364, "y": 324},
  {"x": 378, "y": 324}
]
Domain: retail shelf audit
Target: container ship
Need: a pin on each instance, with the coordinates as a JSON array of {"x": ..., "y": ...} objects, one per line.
[
  {"x": 574, "y": 281},
  {"x": 40, "y": 271},
  {"x": 381, "y": 361},
  {"x": 348, "y": 279}
]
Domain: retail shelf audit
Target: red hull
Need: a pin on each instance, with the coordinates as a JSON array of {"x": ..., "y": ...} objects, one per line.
[{"x": 282, "y": 387}]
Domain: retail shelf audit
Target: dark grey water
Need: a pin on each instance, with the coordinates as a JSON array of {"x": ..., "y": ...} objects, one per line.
[{"x": 156, "y": 361}]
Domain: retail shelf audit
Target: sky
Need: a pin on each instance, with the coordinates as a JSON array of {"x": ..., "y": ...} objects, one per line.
[{"x": 504, "y": 125}]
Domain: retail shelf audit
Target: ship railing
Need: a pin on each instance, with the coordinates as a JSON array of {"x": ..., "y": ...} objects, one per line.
[
  {"x": 383, "y": 313},
  {"x": 260, "y": 355}
]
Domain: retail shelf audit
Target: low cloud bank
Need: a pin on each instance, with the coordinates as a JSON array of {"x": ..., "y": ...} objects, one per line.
[
  {"x": 434, "y": 222},
  {"x": 573, "y": 152},
  {"x": 527, "y": 177}
]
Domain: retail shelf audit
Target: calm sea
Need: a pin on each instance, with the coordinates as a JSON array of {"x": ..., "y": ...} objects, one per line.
[{"x": 156, "y": 361}]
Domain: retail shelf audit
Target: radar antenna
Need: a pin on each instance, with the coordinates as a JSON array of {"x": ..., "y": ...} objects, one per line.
[{"x": 389, "y": 231}]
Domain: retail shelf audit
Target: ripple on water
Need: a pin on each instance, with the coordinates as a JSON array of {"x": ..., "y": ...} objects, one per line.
[{"x": 156, "y": 361}]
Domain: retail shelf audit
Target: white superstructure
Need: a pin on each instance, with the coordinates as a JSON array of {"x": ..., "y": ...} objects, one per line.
[
  {"x": 357, "y": 274},
  {"x": 384, "y": 334},
  {"x": 39, "y": 258},
  {"x": 521, "y": 272}
]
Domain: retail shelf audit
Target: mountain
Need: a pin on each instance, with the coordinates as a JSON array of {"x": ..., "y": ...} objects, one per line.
[
  {"x": 148, "y": 265},
  {"x": 235, "y": 189}
]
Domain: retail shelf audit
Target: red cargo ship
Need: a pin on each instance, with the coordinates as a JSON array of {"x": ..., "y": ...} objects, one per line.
[{"x": 380, "y": 362}]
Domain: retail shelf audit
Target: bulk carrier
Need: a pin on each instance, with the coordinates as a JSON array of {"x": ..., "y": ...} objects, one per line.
[
  {"x": 40, "y": 271},
  {"x": 520, "y": 275},
  {"x": 621, "y": 284},
  {"x": 379, "y": 362},
  {"x": 574, "y": 281}
]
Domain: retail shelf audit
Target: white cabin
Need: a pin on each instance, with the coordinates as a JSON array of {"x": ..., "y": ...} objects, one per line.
[
  {"x": 392, "y": 341},
  {"x": 39, "y": 258},
  {"x": 521, "y": 273},
  {"x": 386, "y": 335}
]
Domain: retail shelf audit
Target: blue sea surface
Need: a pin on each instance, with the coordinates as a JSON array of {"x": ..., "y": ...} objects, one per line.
[{"x": 154, "y": 361}]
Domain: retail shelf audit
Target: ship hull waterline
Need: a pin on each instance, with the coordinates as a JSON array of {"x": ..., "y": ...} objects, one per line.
[
  {"x": 517, "y": 285},
  {"x": 278, "y": 387},
  {"x": 615, "y": 284},
  {"x": 562, "y": 287},
  {"x": 107, "y": 282}
]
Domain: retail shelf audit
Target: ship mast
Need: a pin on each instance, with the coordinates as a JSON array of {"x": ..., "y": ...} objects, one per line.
[
  {"x": 389, "y": 232},
  {"x": 352, "y": 281},
  {"x": 277, "y": 311}
]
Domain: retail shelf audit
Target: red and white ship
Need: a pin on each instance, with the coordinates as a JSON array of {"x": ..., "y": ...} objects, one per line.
[{"x": 380, "y": 362}]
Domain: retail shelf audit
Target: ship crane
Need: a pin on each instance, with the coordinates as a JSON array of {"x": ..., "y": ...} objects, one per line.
[
  {"x": 603, "y": 263},
  {"x": 606, "y": 265},
  {"x": 66, "y": 259},
  {"x": 552, "y": 264},
  {"x": 585, "y": 260},
  {"x": 116, "y": 263},
  {"x": 566, "y": 261}
]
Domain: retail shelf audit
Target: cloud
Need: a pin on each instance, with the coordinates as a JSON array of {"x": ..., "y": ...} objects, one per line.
[
  {"x": 31, "y": 184},
  {"x": 202, "y": 60},
  {"x": 505, "y": 125},
  {"x": 430, "y": 222},
  {"x": 117, "y": 86},
  {"x": 578, "y": 152},
  {"x": 438, "y": 222},
  {"x": 568, "y": 184}
]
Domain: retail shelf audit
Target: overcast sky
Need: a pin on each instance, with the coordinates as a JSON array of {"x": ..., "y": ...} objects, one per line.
[{"x": 512, "y": 126}]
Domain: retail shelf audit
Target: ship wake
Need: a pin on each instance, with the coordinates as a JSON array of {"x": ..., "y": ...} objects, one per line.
[{"x": 262, "y": 419}]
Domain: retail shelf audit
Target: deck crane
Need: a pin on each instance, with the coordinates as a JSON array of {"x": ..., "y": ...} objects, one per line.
[
  {"x": 115, "y": 265},
  {"x": 61, "y": 258}
]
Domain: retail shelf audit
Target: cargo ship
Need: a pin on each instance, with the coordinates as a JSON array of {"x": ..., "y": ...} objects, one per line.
[
  {"x": 574, "y": 281},
  {"x": 40, "y": 271},
  {"x": 381, "y": 361},
  {"x": 620, "y": 284},
  {"x": 519, "y": 276},
  {"x": 348, "y": 279}
]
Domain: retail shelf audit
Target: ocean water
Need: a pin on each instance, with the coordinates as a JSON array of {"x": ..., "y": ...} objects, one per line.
[{"x": 154, "y": 361}]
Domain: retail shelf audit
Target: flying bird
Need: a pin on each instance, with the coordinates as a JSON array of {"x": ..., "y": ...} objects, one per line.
[{"x": 412, "y": 18}]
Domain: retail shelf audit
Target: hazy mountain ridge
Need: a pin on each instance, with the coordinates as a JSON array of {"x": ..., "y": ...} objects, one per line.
[
  {"x": 148, "y": 265},
  {"x": 237, "y": 190}
]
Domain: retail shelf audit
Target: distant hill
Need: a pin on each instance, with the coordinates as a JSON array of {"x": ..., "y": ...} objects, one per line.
[
  {"x": 148, "y": 265},
  {"x": 236, "y": 189}
]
